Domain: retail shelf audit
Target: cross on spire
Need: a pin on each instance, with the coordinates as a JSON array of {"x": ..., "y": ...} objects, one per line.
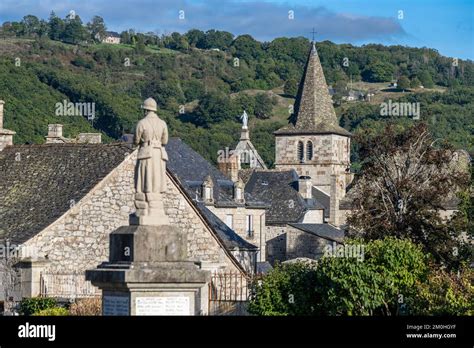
[{"x": 314, "y": 33}]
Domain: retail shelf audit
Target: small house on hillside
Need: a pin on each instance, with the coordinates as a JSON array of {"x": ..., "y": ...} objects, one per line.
[{"x": 111, "y": 37}]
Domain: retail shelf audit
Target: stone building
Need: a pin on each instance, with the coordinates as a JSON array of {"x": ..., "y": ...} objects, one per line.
[
  {"x": 313, "y": 143},
  {"x": 111, "y": 37},
  {"x": 59, "y": 203},
  {"x": 312, "y": 162}
]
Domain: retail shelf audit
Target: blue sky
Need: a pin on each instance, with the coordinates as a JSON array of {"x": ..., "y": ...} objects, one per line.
[{"x": 446, "y": 25}]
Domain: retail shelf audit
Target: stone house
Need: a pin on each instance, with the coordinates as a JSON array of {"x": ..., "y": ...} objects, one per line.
[
  {"x": 60, "y": 202},
  {"x": 111, "y": 37}
]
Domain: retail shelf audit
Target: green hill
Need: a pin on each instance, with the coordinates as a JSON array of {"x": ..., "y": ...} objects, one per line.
[{"x": 202, "y": 92}]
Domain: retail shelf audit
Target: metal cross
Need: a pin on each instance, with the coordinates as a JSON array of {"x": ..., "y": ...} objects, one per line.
[{"x": 314, "y": 33}]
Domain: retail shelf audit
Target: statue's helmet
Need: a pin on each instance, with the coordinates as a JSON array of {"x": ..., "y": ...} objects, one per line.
[{"x": 150, "y": 104}]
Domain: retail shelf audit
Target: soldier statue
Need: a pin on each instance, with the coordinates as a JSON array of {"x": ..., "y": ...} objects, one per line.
[{"x": 151, "y": 136}]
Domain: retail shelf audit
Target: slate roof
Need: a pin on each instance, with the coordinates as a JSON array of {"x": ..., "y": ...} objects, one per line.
[
  {"x": 325, "y": 231},
  {"x": 112, "y": 34},
  {"x": 230, "y": 239},
  {"x": 40, "y": 187},
  {"x": 313, "y": 112},
  {"x": 279, "y": 190},
  {"x": 192, "y": 169}
]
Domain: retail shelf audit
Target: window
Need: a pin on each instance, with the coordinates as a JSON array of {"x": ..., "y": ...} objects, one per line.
[
  {"x": 300, "y": 151},
  {"x": 229, "y": 220},
  {"x": 309, "y": 151},
  {"x": 249, "y": 226}
]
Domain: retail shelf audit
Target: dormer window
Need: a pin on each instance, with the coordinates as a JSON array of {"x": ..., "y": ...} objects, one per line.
[
  {"x": 207, "y": 190},
  {"x": 239, "y": 191}
]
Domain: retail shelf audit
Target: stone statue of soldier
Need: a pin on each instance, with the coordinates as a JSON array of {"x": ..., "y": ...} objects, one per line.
[{"x": 151, "y": 135}]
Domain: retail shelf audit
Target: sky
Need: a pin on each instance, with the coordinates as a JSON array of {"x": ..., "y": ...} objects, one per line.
[{"x": 445, "y": 25}]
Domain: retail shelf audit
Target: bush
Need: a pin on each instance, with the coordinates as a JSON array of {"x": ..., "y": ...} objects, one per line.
[
  {"x": 86, "y": 306},
  {"x": 380, "y": 283},
  {"x": 50, "y": 312},
  {"x": 289, "y": 289},
  {"x": 30, "y": 306},
  {"x": 446, "y": 293}
]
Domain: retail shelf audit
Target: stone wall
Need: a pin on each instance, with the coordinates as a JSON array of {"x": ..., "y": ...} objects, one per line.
[
  {"x": 331, "y": 155},
  {"x": 239, "y": 216},
  {"x": 303, "y": 244},
  {"x": 276, "y": 243},
  {"x": 79, "y": 239}
]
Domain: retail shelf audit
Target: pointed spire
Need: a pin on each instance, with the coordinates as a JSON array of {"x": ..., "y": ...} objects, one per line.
[{"x": 313, "y": 111}]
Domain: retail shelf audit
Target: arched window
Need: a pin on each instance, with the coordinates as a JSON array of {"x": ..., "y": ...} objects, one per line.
[
  {"x": 300, "y": 151},
  {"x": 309, "y": 151}
]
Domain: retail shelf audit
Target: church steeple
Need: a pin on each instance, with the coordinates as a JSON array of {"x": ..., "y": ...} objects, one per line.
[{"x": 313, "y": 109}]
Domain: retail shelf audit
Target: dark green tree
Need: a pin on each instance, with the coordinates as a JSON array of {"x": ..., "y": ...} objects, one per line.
[
  {"x": 263, "y": 106},
  {"x": 291, "y": 87},
  {"x": 378, "y": 72},
  {"x": 96, "y": 28},
  {"x": 403, "y": 83}
]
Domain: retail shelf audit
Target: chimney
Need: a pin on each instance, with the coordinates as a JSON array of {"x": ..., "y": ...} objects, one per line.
[
  {"x": 305, "y": 187},
  {"x": 6, "y": 136},
  {"x": 55, "y": 134},
  {"x": 334, "y": 214},
  {"x": 230, "y": 167},
  {"x": 55, "y": 130},
  {"x": 89, "y": 138}
]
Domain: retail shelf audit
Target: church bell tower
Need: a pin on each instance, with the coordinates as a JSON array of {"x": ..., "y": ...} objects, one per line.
[{"x": 313, "y": 143}]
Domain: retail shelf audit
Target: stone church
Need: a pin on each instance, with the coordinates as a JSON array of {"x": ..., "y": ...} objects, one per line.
[
  {"x": 312, "y": 172},
  {"x": 59, "y": 201}
]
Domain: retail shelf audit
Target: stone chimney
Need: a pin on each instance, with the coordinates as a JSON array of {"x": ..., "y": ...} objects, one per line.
[
  {"x": 55, "y": 133},
  {"x": 89, "y": 138},
  {"x": 230, "y": 166},
  {"x": 335, "y": 195},
  {"x": 6, "y": 136},
  {"x": 239, "y": 191},
  {"x": 55, "y": 130},
  {"x": 305, "y": 187},
  {"x": 207, "y": 190}
]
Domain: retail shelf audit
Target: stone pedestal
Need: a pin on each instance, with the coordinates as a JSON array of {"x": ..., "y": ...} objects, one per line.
[
  {"x": 30, "y": 271},
  {"x": 148, "y": 274}
]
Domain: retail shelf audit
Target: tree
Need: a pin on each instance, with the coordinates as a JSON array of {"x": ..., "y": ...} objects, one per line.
[
  {"x": 216, "y": 39},
  {"x": 97, "y": 28},
  {"x": 194, "y": 36},
  {"x": 426, "y": 79},
  {"x": 405, "y": 183},
  {"x": 56, "y": 27},
  {"x": 263, "y": 106},
  {"x": 31, "y": 25},
  {"x": 288, "y": 289},
  {"x": 247, "y": 47},
  {"x": 415, "y": 83},
  {"x": 378, "y": 72},
  {"x": 214, "y": 107},
  {"x": 74, "y": 32},
  {"x": 403, "y": 83},
  {"x": 291, "y": 87},
  {"x": 384, "y": 282}
]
